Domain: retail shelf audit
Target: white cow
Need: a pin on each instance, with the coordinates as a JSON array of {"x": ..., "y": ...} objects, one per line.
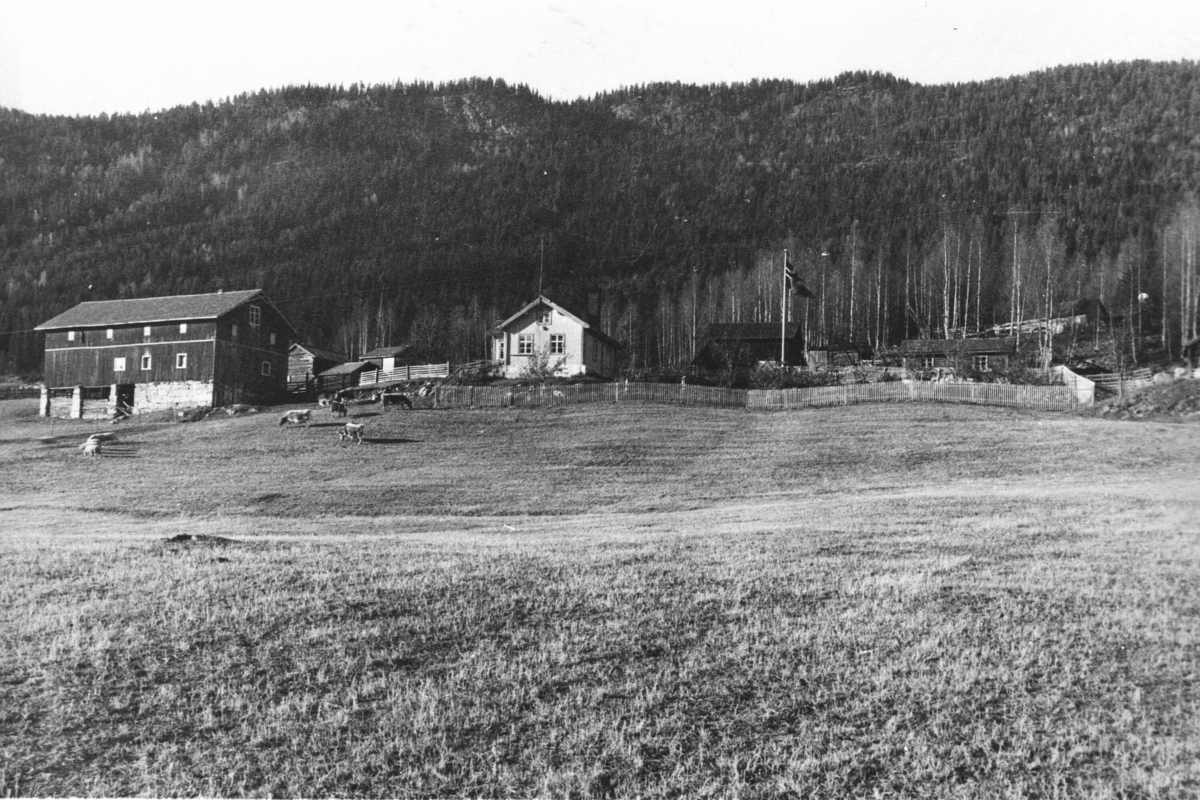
[
  {"x": 295, "y": 417},
  {"x": 352, "y": 432}
]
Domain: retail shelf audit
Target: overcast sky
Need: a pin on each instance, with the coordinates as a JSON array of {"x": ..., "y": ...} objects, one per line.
[{"x": 132, "y": 56}]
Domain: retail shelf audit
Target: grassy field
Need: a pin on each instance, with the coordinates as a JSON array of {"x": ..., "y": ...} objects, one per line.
[{"x": 907, "y": 600}]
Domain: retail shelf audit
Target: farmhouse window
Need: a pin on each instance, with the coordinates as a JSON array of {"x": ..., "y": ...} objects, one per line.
[
  {"x": 234, "y": 330},
  {"x": 499, "y": 349},
  {"x": 118, "y": 365},
  {"x": 255, "y": 315},
  {"x": 980, "y": 363},
  {"x": 181, "y": 361},
  {"x": 544, "y": 316},
  {"x": 272, "y": 338},
  {"x": 70, "y": 336},
  {"x": 927, "y": 362},
  {"x": 558, "y": 344},
  {"x": 108, "y": 334},
  {"x": 145, "y": 362},
  {"x": 266, "y": 368},
  {"x": 146, "y": 331},
  {"x": 525, "y": 344},
  {"x": 183, "y": 327}
]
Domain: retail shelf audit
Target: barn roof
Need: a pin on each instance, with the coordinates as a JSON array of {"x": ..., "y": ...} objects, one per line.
[
  {"x": 749, "y": 331},
  {"x": 176, "y": 308},
  {"x": 930, "y": 347},
  {"x": 317, "y": 352},
  {"x": 349, "y": 368}
]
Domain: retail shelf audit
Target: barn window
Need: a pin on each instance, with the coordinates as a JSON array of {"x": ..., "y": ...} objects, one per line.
[
  {"x": 108, "y": 334},
  {"x": 181, "y": 361},
  {"x": 980, "y": 363},
  {"x": 235, "y": 331},
  {"x": 183, "y": 327},
  {"x": 118, "y": 365},
  {"x": 525, "y": 344},
  {"x": 558, "y": 344},
  {"x": 146, "y": 331},
  {"x": 272, "y": 338},
  {"x": 255, "y": 315},
  {"x": 145, "y": 362},
  {"x": 70, "y": 336},
  {"x": 266, "y": 368}
]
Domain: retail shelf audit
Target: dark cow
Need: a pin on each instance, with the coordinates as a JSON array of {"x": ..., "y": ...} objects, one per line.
[{"x": 393, "y": 399}]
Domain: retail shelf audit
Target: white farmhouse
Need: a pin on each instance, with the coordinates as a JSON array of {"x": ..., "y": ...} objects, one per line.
[{"x": 545, "y": 331}]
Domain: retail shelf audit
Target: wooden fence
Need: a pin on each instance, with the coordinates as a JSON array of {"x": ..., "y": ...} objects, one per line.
[
  {"x": 407, "y": 373},
  {"x": 1043, "y": 398},
  {"x": 19, "y": 393},
  {"x": 1046, "y": 398},
  {"x": 1115, "y": 383}
]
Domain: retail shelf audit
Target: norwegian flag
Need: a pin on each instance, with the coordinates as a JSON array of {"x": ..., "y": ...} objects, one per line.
[{"x": 794, "y": 284}]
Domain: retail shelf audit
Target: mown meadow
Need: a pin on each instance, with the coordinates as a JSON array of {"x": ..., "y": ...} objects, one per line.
[{"x": 892, "y": 600}]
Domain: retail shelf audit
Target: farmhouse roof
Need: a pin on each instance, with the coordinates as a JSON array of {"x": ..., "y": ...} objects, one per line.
[
  {"x": 748, "y": 331},
  {"x": 349, "y": 368},
  {"x": 928, "y": 347},
  {"x": 542, "y": 300},
  {"x": 317, "y": 352},
  {"x": 175, "y": 308}
]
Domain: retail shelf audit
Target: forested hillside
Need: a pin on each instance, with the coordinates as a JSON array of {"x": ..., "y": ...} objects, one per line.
[{"x": 379, "y": 214}]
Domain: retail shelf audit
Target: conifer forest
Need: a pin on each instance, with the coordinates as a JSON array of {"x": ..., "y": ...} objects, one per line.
[{"x": 423, "y": 213}]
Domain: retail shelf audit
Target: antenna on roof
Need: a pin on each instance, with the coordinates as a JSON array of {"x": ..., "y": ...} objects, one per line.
[{"x": 541, "y": 261}]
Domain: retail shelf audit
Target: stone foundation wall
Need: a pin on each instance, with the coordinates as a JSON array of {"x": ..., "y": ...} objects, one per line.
[{"x": 176, "y": 394}]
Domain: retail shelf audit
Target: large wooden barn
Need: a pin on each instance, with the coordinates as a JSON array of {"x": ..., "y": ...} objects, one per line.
[{"x": 162, "y": 352}]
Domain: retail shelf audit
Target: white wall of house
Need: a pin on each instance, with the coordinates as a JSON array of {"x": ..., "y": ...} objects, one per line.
[{"x": 546, "y": 328}]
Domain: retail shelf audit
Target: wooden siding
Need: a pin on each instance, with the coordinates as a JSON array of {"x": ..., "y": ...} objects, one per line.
[
  {"x": 93, "y": 365},
  {"x": 239, "y": 377}
]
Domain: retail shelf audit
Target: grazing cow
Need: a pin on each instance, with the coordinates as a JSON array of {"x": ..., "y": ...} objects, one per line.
[
  {"x": 91, "y": 448},
  {"x": 352, "y": 432},
  {"x": 393, "y": 399},
  {"x": 337, "y": 408},
  {"x": 295, "y": 417}
]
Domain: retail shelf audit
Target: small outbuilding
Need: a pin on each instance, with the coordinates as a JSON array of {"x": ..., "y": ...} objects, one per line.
[
  {"x": 745, "y": 344},
  {"x": 982, "y": 355},
  {"x": 306, "y": 362}
]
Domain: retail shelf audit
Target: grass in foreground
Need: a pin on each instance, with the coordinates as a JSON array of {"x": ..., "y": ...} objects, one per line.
[{"x": 606, "y": 602}]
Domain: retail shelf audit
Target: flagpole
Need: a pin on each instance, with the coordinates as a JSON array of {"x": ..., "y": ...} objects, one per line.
[{"x": 783, "y": 314}]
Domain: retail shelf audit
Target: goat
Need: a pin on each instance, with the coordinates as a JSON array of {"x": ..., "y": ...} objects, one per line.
[
  {"x": 337, "y": 408},
  {"x": 295, "y": 417},
  {"x": 352, "y": 432},
  {"x": 94, "y": 444}
]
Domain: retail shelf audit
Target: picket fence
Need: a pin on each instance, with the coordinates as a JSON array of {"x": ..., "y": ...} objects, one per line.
[{"x": 1045, "y": 398}]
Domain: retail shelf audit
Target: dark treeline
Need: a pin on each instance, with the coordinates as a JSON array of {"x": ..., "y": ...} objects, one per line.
[{"x": 428, "y": 212}]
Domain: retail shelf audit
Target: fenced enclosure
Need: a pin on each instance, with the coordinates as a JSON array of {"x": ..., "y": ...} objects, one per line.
[{"x": 1044, "y": 398}]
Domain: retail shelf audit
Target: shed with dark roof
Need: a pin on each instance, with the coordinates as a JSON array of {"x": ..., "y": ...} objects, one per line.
[{"x": 748, "y": 343}]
